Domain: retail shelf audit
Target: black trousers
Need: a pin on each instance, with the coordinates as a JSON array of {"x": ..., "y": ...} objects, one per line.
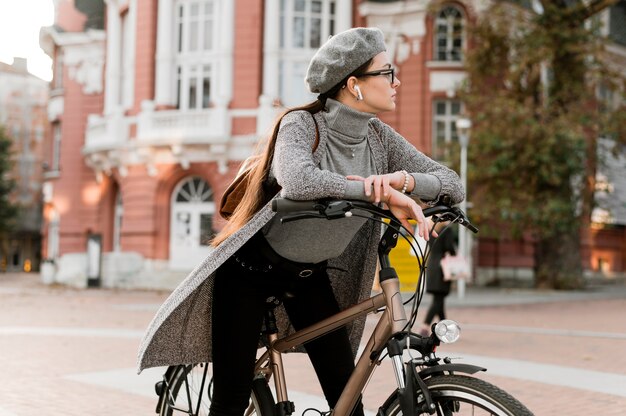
[
  {"x": 238, "y": 309},
  {"x": 436, "y": 308}
]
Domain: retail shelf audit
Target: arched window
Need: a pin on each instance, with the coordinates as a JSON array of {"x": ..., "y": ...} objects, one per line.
[
  {"x": 449, "y": 35},
  {"x": 191, "y": 225},
  {"x": 194, "y": 190}
]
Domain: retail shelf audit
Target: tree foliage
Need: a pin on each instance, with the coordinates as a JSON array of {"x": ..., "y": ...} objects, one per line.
[
  {"x": 531, "y": 95},
  {"x": 8, "y": 211}
]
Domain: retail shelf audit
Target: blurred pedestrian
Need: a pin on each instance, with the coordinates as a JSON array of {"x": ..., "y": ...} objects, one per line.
[{"x": 435, "y": 283}]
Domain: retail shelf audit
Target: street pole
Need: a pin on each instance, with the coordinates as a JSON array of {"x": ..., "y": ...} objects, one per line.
[{"x": 463, "y": 125}]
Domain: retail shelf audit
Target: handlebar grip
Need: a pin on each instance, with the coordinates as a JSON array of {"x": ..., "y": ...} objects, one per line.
[{"x": 288, "y": 205}]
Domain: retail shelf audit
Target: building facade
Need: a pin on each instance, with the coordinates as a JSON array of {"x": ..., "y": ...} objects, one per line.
[
  {"x": 153, "y": 111},
  {"x": 23, "y": 107}
]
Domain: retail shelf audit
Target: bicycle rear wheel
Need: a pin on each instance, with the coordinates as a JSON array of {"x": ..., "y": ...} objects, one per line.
[
  {"x": 186, "y": 392},
  {"x": 462, "y": 395}
]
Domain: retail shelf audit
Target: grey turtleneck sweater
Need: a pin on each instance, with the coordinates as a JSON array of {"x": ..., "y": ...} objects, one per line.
[{"x": 347, "y": 153}]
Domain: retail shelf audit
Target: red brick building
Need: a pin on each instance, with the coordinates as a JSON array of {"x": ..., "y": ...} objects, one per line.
[
  {"x": 153, "y": 111},
  {"x": 23, "y": 107}
]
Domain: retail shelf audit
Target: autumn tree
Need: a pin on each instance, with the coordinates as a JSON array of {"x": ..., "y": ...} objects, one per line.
[
  {"x": 8, "y": 211},
  {"x": 533, "y": 76}
]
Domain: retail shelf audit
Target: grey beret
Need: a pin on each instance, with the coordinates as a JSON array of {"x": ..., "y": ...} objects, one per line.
[{"x": 341, "y": 55}]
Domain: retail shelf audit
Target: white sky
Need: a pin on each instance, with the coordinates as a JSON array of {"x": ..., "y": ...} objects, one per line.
[{"x": 20, "y": 21}]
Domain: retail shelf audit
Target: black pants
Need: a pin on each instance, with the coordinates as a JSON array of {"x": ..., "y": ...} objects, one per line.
[
  {"x": 436, "y": 308},
  {"x": 238, "y": 309}
]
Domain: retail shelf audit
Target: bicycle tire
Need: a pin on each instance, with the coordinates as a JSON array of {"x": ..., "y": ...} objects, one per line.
[
  {"x": 182, "y": 393},
  {"x": 462, "y": 395}
]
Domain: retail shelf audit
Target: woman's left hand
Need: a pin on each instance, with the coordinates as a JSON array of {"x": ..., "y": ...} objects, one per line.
[
  {"x": 405, "y": 208},
  {"x": 381, "y": 185}
]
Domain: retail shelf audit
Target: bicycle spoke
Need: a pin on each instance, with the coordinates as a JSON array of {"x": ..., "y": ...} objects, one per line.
[{"x": 204, "y": 372}]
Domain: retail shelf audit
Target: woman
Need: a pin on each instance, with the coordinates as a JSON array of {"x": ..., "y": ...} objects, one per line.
[
  {"x": 435, "y": 283},
  {"x": 323, "y": 266}
]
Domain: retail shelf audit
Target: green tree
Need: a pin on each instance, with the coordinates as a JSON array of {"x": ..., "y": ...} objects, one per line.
[
  {"x": 532, "y": 87},
  {"x": 8, "y": 210}
]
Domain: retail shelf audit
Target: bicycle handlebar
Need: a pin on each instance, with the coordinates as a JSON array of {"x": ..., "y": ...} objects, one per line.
[
  {"x": 283, "y": 205},
  {"x": 341, "y": 208}
]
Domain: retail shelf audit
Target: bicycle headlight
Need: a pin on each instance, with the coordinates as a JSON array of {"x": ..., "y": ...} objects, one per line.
[{"x": 448, "y": 331}]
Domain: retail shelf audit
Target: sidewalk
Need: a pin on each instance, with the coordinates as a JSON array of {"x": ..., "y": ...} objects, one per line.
[
  {"x": 72, "y": 352},
  {"x": 485, "y": 296}
]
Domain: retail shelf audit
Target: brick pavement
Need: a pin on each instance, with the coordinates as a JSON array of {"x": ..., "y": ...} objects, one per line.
[{"x": 72, "y": 352}]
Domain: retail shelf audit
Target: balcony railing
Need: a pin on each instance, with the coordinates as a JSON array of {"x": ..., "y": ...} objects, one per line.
[
  {"x": 106, "y": 132},
  {"x": 169, "y": 136},
  {"x": 190, "y": 126}
]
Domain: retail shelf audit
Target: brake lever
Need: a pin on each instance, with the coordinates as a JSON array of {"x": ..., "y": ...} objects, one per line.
[
  {"x": 464, "y": 221},
  {"x": 338, "y": 209},
  {"x": 470, "y": 226},
  {"x": 460, "y": 218}
]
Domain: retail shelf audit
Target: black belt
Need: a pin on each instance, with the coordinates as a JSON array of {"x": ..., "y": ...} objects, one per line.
[{"x": 258, "y": 249}]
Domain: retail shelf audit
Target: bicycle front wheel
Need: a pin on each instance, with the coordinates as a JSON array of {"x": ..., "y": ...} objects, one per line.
[
  {"x": 186, "y": 392},
  {"x": 462, "y": 395}
]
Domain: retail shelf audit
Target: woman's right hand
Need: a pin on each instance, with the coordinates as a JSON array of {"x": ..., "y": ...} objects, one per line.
[
  {"x": 405, "y": 208},
  {"x": 381, "y": 185}
]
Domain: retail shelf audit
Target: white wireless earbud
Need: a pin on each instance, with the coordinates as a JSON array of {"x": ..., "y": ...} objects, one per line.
[{"x": 359, "y": 95}]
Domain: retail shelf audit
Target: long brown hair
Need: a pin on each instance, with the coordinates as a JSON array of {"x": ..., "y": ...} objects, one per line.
[{"x": 255, "y": 195}]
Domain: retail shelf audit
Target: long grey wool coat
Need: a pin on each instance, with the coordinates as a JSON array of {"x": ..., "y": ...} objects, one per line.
[{"x": 180, "y": 333}]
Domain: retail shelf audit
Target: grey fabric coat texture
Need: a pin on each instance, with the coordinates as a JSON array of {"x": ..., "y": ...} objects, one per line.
[{"x": 180, "y": 332}]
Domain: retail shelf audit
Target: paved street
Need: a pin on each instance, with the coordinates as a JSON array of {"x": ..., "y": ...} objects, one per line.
[{"x": 72, "y": 352}]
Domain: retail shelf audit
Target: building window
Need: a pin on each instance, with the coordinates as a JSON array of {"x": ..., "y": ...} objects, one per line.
[
  {"x": 195, "y": 197},
  {"x": 195, "y": 191},
  {"x": 617, "y": 28},
  {"x": 56, "y": 148},
  {"x": 304, "y": 26},
  {"x": 445, "y": 114},
  {"x": 196, "y": 59},
  {"x": 57, "y": 81},
  {"x": 449, "y": 32}
]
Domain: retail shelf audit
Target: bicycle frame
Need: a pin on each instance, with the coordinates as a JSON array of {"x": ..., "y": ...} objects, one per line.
[
  {"x": 426, "y": 383},
  {"x": 392, "y": 321},
  {"x": 415, "y": 378}
]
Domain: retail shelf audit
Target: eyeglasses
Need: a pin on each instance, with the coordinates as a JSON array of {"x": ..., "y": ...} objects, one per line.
[{"x": 389, "y": 73}]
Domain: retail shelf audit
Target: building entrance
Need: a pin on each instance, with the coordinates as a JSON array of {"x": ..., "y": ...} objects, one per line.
[{"x": 191, "y": 223}]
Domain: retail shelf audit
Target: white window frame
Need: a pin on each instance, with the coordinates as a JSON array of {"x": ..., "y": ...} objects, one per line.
[
  {"x": 294, "y": 59},
  {"x": 168, "y": 60},
  {"x": 282, "y": 80},
  {"x": 444, "y": 18},
  {"x": 57, "y": 78},
  {"x": 194, "y": 65},
  {"x": 55, "y": 160},
  {"x": 120, "y": 55},
  {"x": 449, "y": 121}
]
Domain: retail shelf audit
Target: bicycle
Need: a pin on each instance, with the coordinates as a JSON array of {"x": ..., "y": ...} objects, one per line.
[{"x": 427, "y": 384}]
